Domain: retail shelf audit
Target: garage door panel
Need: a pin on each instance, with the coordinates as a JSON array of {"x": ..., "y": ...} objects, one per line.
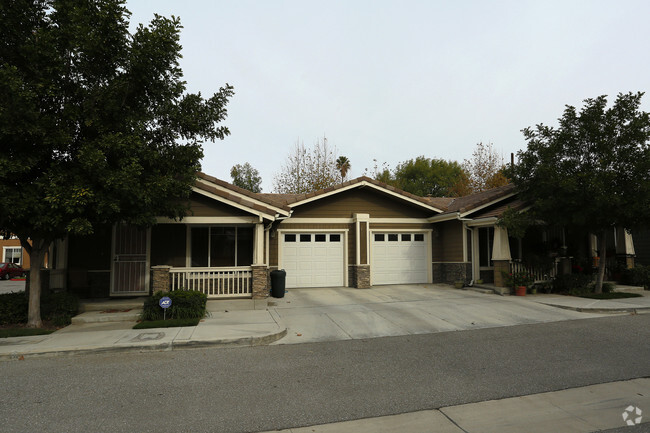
[
  {"x": 314, "y": 261},
  {"x": 398, "y": 259}
]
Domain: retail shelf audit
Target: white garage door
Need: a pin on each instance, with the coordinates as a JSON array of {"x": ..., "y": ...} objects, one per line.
[
  {"x": 313, "y": 259},
  {"x": 399, "y": 258}
]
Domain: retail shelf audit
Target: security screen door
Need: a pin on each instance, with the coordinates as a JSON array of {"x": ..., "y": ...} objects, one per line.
[{"x": 130, "y": 274}]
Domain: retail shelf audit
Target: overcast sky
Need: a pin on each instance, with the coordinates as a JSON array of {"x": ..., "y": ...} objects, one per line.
[{"x": 392, "y": 80}]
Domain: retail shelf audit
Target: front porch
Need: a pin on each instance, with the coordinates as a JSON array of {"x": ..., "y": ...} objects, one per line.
[
  {"x": 216, "y": 283},
  {"x": 546, "y": 252}
]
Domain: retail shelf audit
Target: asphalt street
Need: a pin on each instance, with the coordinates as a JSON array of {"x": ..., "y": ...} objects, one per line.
[{"x": 272, "y": 387}]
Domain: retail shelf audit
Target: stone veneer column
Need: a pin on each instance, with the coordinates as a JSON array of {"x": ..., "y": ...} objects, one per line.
[
  {"x": 160, "y": 278},
  {"x": 362, "y": 277},
  {"x": 500, "y": 255},
  {"x": 260, "y": 282},
  {"x": 500, "y": 266}
]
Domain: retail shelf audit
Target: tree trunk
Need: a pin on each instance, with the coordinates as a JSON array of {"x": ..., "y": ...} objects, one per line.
[
  {"x": 36, "y": 256},
  {"x": 602, "y": 240}
]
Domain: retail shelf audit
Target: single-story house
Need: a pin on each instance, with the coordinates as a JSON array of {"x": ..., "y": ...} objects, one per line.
[{"x": 361, "y": 233}]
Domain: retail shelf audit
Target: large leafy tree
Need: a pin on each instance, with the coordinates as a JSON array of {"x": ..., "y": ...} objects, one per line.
[
  {"x": 424, "y": 176},
  {"x": 247, "y": 177},
  {"x": 95, "y": 123},
  {"x": 592, "y": 171},
  {"x": 308, "y": 169}
]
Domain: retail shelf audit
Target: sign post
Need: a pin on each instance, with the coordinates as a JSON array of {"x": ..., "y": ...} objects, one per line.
[{"x": 165, "y": 302}]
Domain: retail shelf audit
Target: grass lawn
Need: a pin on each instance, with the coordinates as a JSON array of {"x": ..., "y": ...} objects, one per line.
[
  {"x": 22, "y": 332},
  {"x": 610, "y": 295},
  {"x": 169, "y": 323}
]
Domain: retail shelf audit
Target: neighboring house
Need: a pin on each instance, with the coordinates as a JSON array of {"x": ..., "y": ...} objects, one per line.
[
  {"x": 11, "y": 251},
  {"x": 361, "y": 233}
]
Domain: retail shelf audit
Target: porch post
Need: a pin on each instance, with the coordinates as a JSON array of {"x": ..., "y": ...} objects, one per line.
[
  {"x": 160, "y": 279},
  {"x": 361, "y": 273},
  {"x": 258, "y": 246},
  {"x": 500, "y": 255},
  {"x": 260, "y": 282},
  {"x": 625, "y": 247}
]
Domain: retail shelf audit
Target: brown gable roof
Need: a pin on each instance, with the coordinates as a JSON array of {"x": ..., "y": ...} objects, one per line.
[
  {"x": 500, "y": 208},
  {"x": 472, "y": 201},
  {"x": 236, "y": 198},
  {"x": 284, "y": 201},
  {"x": 289, "y": 199}
]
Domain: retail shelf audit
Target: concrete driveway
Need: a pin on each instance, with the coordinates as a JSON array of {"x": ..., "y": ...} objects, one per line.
[{"x": 329, "y": 314}]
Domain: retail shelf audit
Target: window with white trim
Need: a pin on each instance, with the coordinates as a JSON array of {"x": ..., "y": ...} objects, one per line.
[
  {"x": 220, "y": 246},
  {"x": 13, "y": 255}
]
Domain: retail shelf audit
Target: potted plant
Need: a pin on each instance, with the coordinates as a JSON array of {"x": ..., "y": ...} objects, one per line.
[
  {"x": 459, "y": 284},
  {"x": 521, "y": 280},
  {"x": 518, "y": 281}
]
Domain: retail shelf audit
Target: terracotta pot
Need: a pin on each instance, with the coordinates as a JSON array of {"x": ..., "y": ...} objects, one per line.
[{"x": 520, "y": 291}]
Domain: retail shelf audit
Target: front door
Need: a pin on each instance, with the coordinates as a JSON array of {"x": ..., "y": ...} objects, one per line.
[{"x": 130, "y": 266}]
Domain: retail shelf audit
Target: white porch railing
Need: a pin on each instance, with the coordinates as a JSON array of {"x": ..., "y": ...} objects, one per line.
[
  {"x": 537, "y": 273},
  {"x": 214, "y": 282}
]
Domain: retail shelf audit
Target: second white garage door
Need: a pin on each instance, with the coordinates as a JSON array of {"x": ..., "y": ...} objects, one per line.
[
  {"x": 313, "y": 259},
  {"x": 399, "y": 258}
]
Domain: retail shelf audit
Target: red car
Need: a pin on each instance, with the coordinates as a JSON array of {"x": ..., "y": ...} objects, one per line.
[{"x": 10, "y": 270}]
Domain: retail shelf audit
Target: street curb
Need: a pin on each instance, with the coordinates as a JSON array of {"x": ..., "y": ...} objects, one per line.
[
  {"x": 631, "y": 310},
  {"x": 159, "y": 347},
  {"x": 233, "y": 342}
]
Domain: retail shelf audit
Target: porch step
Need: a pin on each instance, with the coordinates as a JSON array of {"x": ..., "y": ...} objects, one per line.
[
  {"x": 110, "y": 304},
  {"x": 479, "y": 290},
  {"x": 109, "y": 315},
  {"x": 489, "y": 288}
]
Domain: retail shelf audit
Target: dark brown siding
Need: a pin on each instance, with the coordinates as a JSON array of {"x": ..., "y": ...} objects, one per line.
[
  {"x": 91, "y": 252},
  {"x": 168, "y": 244},
  {"x": 447, "y": 242},
  {"x": 365, "y": 200},
  {"x": 641, "y": 239},
  {"x": 204, "y": 206},
  {"x": 363, "y": 242}
]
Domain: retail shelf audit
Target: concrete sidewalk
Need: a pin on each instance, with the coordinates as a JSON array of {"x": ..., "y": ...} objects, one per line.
[
  {"x": 238, "y": 328},
  {"x": 586, "y": 305},
  {"x": 585, "y": 409},
  {"x": 313, "y": 315}
]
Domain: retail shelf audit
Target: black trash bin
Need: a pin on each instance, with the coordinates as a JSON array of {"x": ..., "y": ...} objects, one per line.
[{"x": 278, "y": 279}]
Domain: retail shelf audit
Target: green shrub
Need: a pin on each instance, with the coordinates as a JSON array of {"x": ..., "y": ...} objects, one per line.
[
  {"x": 638, "y": 276},
  {"x": 569, "y": 283},
  {"x": 58, "y": 308},
  {"x": 186, "y": 304},
  {"x": 13, "y": 308}
]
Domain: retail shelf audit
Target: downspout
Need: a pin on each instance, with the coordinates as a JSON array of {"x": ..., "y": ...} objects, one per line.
[{"x": 267, "y": 232}]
